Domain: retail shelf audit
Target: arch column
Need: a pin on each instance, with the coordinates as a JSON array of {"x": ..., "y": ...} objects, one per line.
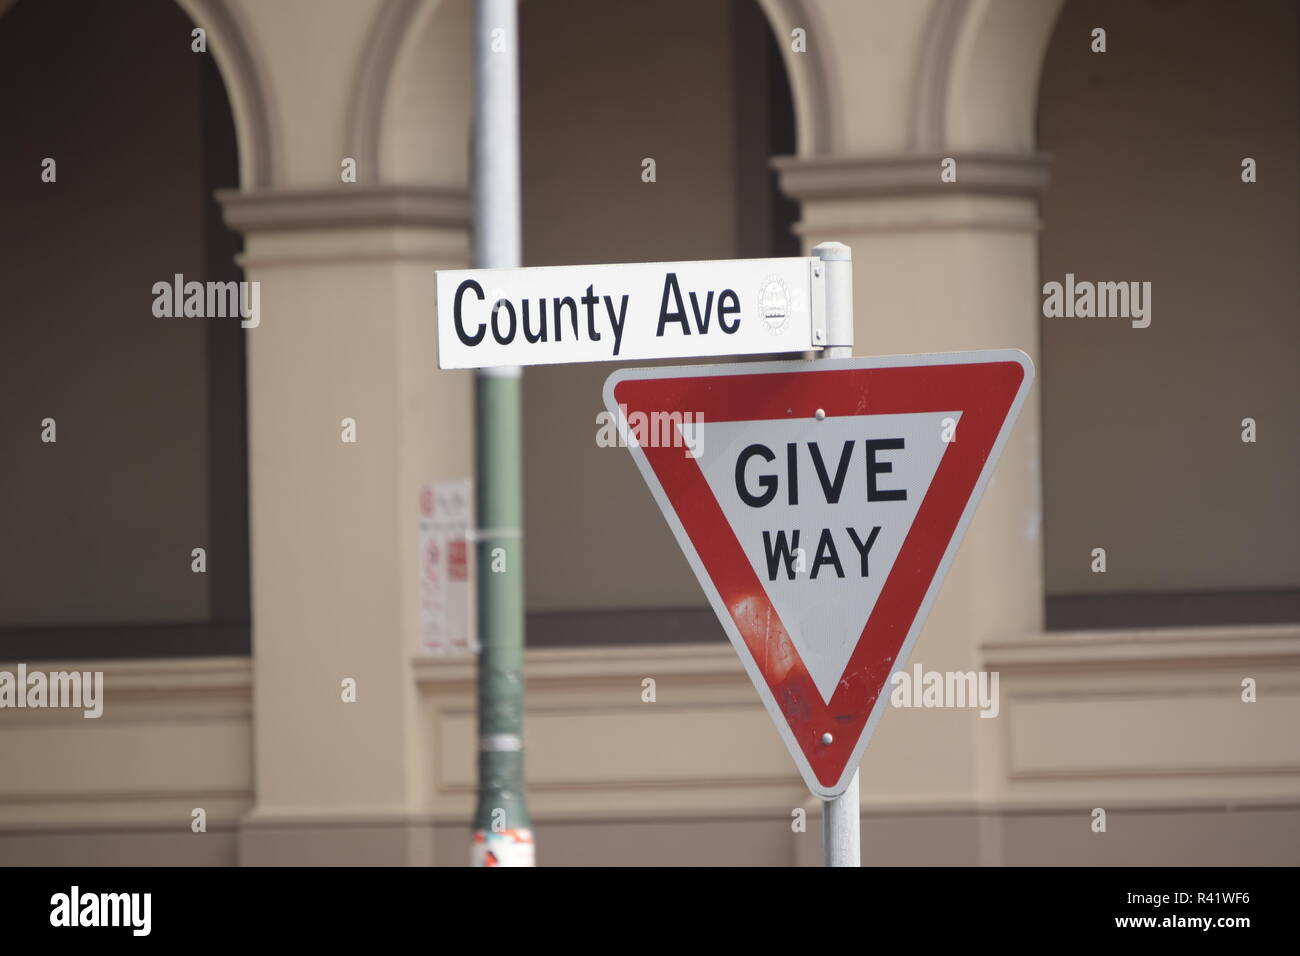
[
  {"x": 346, "y": 332},
  {"x": 943, "y": 266},
  {"x": 938, "y": 268}
]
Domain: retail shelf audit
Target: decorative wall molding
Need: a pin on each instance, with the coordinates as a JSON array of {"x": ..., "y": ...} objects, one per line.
[
  {"x": 347, "y": 207},
  {"x": 173, "y": 678},
  {"x": 1064, "y": 652},
  {"x": 1147, "y": 717},
  {"x": 592, "y": 694},
  {"x": 911, "y": 174},
  {"x": 174, "y": 734},
  {"x": 566, "y": 664}
]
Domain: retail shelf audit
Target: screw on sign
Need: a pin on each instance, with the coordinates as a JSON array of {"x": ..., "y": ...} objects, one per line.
[{"x": 822, "y": 515}]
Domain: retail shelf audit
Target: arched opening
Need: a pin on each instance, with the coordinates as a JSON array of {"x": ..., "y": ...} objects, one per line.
[
  {"x": 148, "y": 457},
  {"x": 709, "y": 104},
  {"x": 1144, "y": 413}
]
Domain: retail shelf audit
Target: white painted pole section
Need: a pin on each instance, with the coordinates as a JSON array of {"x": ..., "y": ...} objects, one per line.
[
  {"x": 841, "y": 825},
  {"x": 497, "y": 243},
  {"x": 841, "y": 817}
]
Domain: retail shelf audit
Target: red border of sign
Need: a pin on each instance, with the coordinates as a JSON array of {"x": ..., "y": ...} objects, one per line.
[{"x": 983, "y": 391}]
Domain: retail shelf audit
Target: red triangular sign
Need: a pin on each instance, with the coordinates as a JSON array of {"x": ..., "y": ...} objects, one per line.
[{"x": 820, "y": 504}]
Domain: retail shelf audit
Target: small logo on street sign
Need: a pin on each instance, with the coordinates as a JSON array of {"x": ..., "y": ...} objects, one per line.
[{"x": 774, "y": 304}]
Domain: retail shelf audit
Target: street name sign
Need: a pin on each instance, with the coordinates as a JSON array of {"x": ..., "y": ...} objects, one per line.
[
  {"x": 654, "y": 310},
  {"x": 820, "y": 505}
]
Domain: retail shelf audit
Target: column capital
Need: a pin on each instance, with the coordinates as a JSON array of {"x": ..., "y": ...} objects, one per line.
[
  {"x": 911, "y": 174},
  {"x": 350, "y": 206}
]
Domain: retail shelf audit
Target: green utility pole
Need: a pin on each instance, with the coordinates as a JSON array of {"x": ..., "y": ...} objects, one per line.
[
  {"x": 502, "y": 830},
  {"x": 501, "y": 824}
]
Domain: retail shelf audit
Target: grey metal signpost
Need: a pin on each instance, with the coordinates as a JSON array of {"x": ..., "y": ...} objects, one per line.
[
  {"x": 502, "y": 833},
  {"x": 841, "y": 816}
]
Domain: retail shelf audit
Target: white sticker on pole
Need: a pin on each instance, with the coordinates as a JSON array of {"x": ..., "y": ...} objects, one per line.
[{"x": 600, "y": 313}]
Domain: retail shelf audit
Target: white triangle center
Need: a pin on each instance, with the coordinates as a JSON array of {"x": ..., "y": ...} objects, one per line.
[{"x": 822, "y": 596}]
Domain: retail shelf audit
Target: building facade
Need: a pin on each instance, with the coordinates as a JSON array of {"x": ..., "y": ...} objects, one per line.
[{"x": 774, "y": 125}]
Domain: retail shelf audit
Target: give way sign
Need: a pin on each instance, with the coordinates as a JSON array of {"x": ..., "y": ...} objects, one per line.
[{"x": 820, "y": 505}]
